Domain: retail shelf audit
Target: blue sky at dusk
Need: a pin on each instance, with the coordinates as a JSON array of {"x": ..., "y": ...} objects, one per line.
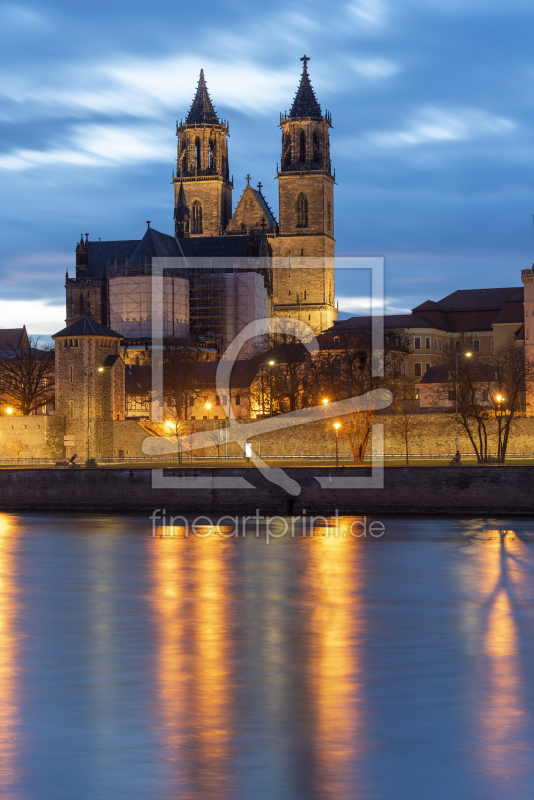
[{"x": 433, "y": 141}]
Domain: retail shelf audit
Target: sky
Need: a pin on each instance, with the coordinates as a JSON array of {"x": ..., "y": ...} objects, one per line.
[{"x": 433, "y": 146}]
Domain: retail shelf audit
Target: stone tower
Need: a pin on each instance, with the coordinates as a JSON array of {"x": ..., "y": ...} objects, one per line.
[
  {"x": 89, "y": 386},
  {"x": 305, "y": 290},
  {"x": 86, "y": 294},
  {"x": 202, "y": 167}
]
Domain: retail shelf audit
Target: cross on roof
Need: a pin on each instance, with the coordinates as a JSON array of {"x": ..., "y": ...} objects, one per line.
[
  {"x": 263, "y": 224},
  {"x": 305, "y": 59},
  {"x": 248, "y": 179},
  {"x": 260, "y": 184}
]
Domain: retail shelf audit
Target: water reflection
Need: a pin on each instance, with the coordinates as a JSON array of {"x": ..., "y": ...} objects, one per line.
[
  {"x": 335, "y": 670},
  {"x": 193, "y": 664},
  {"x": 9, "y": 607},
  {"x": 502, "y": 719}
]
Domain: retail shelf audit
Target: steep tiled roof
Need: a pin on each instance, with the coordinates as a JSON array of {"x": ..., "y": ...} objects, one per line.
[
  {"x": 102, "y": 255},
  {"x": 477, "y": 299},
  {"x": 391, "y": 321},
  {"x": 137, "y": 379},
  {"x": 512, "y": 311},
  {"x": 202, "y": 110},
  {"x": 87, "y": 326},
  {"x": 13, "y": 338},
  {"x": 154, "y": 244}
]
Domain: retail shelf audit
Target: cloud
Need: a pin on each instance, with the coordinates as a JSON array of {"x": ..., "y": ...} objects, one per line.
[
  {"x": 371, "y": 12},
  {"x": 436, "y": 125},
  {"x": 41, "y": 318},
  {"x": 99, "y": 145},
  {"x": 145, "y": 87},
  {"x": 374, "y": 67},
  {"x": 360, "y": 306}
]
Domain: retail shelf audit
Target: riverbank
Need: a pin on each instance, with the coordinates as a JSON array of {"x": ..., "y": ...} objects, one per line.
[{"x": 421, "y": 490}]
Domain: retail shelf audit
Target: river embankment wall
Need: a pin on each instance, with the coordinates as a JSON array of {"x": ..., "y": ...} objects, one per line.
[{"x": 485, "y": 490}]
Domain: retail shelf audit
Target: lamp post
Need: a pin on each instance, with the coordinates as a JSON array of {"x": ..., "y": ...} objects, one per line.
[
  {"x": 171, "y": 424},
  {"x": 457, "y": 440},
  {"x": 325, "y": 403},
  {"x": 337, "y": 426},
  {"x": 499, "y": 398},
  {"x": 207, "y": 406}
]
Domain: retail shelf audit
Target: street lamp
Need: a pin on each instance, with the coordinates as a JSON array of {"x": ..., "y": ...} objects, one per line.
[
  {"x": 337, "y": 426},
  {"x": 207, "y": 406},
  {"x": 325, "y": 403},
  {"x": 9, "y": 410},
  {"x": 457, "y": 440},
  {"x": 171, "y": 424}
]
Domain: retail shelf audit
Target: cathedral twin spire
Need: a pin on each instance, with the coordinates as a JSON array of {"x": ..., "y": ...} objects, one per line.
[{"x": 202, "y": 111}]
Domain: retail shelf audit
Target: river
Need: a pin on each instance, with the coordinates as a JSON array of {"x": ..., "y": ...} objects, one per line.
[{"x": 398, "y": 666}]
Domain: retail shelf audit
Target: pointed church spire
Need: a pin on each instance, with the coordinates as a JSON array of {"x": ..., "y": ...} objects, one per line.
[
  {"x": 305, "y": 103},
  {"x": 202, "y": 110},
  {"x": 182, "y": 215}
]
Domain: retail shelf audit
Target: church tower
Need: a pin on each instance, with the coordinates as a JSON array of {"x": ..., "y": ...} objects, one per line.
[
  {"x": 202, "y": 169},
  {"x": 306, "y": 210}
]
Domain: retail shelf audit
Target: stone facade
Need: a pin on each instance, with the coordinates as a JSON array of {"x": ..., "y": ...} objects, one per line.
[{"x": 89, "y": 387}]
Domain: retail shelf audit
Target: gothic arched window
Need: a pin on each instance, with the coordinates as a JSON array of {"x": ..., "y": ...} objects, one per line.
[
  {"x": 197, "y": 154},
  {"x": 212, "y": 154},
  {"x": 317, "y": 155},
  {"x": 302, "y": 140},
  {"x": 328, "y": 214},
  {"x": 82, "y": 304},
  {"x": 287, "y": 150},
  {"x": 302, "y": 211},
  {"x": 196, "y": 218}
]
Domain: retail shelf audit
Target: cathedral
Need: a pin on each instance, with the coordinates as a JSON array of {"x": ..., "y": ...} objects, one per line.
[{"x": 242, "y": 264}]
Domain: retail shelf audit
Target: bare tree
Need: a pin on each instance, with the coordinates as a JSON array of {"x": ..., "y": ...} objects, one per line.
[
  {"x": 346, "y": 369},
  {"x": 404, "y": 419},
  {"x": 16, "y": 446},
  {"x": 514, "y": 371},
  {"x": 181, "y": 384},
  {"x": 27, "y": 376}
]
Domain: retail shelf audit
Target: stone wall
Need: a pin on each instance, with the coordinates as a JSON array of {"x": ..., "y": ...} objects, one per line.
[
  {"x": 428, "y": 490},
  {"x": 430, "y": 433},
  {"x": 41, "y": 435}
]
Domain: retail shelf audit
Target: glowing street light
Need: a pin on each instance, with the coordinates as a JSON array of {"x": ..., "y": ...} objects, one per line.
[
  {"x": 499, "y": 398},
  {"x": 207, "y": 406},
  {"x": 9, "y": 410}
]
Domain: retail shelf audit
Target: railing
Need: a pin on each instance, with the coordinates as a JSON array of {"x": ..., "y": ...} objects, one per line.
[{"x": 188, "y": 460}]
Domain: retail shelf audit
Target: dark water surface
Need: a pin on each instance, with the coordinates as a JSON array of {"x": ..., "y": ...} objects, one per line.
[{"x": 324, "y": 668}]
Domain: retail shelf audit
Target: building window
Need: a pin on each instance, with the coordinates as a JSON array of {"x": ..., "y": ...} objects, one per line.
[
  {"x": 217, "y": 402},
  {"x": 302, "y": 211},
  {"x": 476, "y": 345},
  {"x": 441, "y": 344},
  {"x": 450, "y": 394},
  {"x": 417, "y": 343},
  {"x": 428, "y": 343},
  {"x": 192, "y": 416},
  {"x": 197, "y": 154},
  {"x": 196, "y": 224},
  {"x": 427, "y": 366},
  {"x": 485, "y": 395},
  {"x": 71, "y": 375},
  {"x": 211, "y": 153},
  {"x": 492, "y": 345},
  {"x": 238, "y": 399},
  {"x": 71, "y": 407},
  {"x": 328, "y": 214},
  {"x": 316, "y": 148},
  {"x": 302, "y": 144},
  {"x": 417, "y": 368}
]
